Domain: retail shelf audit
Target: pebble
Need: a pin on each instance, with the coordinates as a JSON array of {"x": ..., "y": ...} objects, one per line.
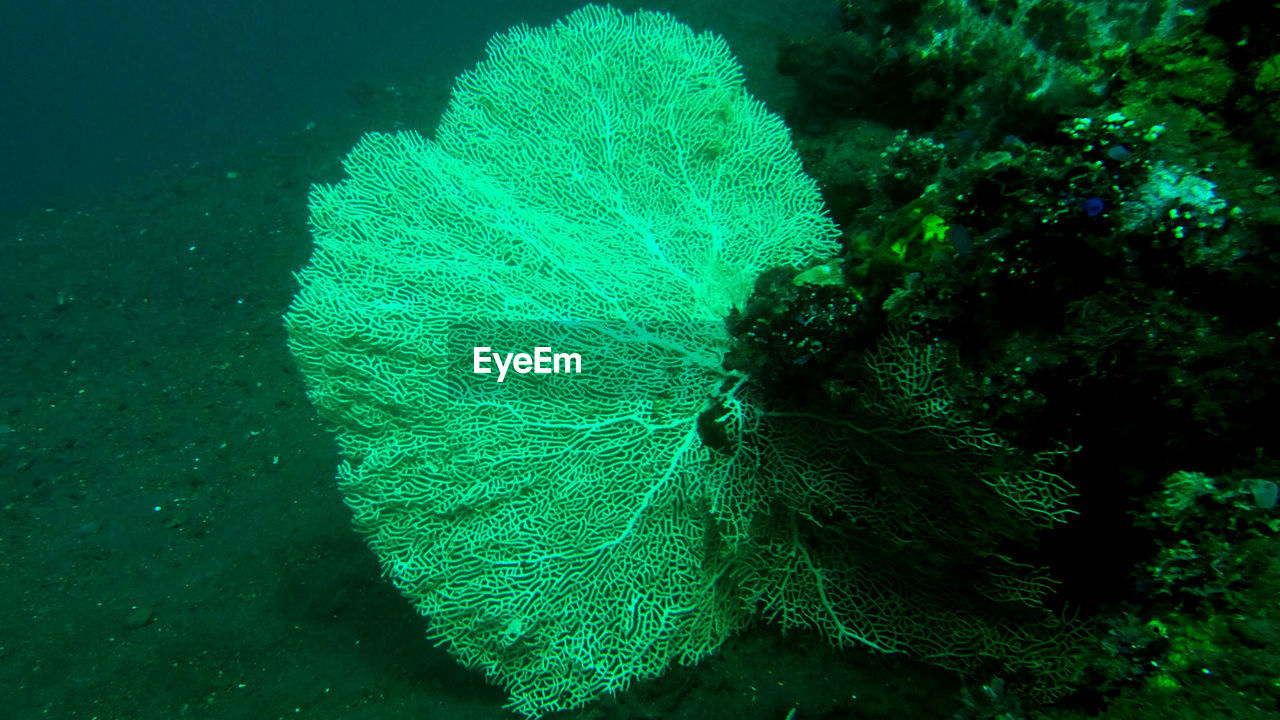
[{"x": 139, "y": 616}]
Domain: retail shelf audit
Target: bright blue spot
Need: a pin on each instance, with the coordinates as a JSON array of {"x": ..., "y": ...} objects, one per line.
[{"x": 1093, "y": 207}]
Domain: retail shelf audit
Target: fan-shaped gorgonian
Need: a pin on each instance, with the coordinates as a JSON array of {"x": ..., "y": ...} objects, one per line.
[{"x": 604, "y": 186}]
